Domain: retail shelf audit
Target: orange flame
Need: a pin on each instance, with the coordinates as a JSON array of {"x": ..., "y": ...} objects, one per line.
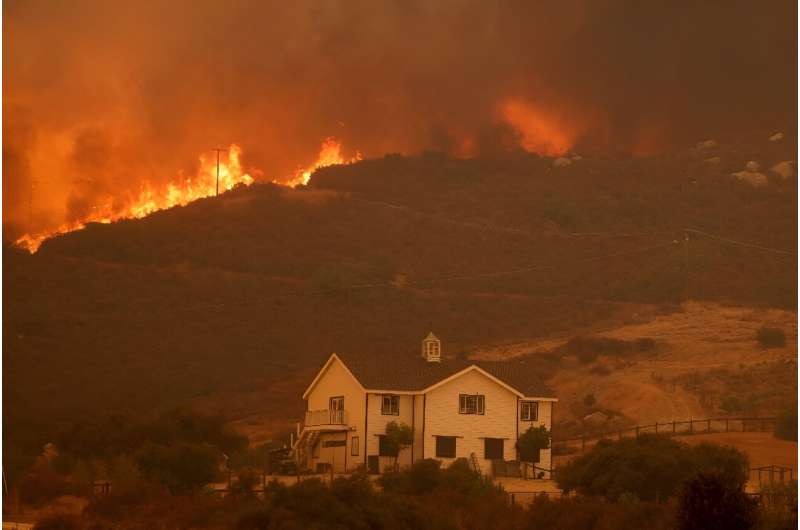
[
  {"x": 540, "y": 130},
  {"x": 150, "y": 199},
  {"x": 330, "y": 154}
]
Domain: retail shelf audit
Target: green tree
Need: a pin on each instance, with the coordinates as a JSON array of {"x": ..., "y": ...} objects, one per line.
[
  {"x": 709, "y": 502},
  {"x": 398, "y": 437},
  {"x": 531, "y": 443}
]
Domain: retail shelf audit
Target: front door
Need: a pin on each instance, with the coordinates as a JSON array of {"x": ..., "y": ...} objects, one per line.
[{"x": 337, "y": 410}]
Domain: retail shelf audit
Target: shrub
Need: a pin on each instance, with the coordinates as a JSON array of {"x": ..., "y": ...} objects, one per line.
[
  {"x": 771, "y": 337},
  {"x": 531, "y": 443},
  {"x": 398, "y": 437},
  {"x": 651, "y": 467},
  {"x": 709, "y": 501},
  {"x": 587, "y": 349},
  {"x": 180, "y": 467},
  {"x": 42, "y": 484},
  {"x": 582, "y": 513},
  {"x": 786, "y": 426},
  {"x": 731, "y": 404},
  {"x": 59, "y": 521},
  {"x": 589, "y": 400}
]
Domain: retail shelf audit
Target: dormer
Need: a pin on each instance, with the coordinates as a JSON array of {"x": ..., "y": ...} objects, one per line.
[{"x": 432, "y": 348}]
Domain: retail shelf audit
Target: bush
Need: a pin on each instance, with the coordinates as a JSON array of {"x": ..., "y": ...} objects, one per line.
[
  {"x": 771, "y": 337},
  {"x": 709, "y": 501},
  {"x": 582, "y": 513},
  {"x": 589, "y": 400},
  {"x": 786, "y": 426},
  {"x": 59, "y": 521},
  {"x": 652, "y": 467},
  {"x": 587, "y": 349},
  {"x": 181, "y": 467},
  {"x": 731, "y": 404},
  {"x": 42, "y": 484}
]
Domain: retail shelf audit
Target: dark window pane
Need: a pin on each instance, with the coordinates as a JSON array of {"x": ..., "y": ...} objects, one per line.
[
  {"x": 383, "y": 447},
  {"x": 493, "y": 448},
  {"x": 446, "y": 446}
]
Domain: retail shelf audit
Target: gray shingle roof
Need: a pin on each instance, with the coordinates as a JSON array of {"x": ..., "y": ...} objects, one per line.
[{"x": 411, "y": 373}]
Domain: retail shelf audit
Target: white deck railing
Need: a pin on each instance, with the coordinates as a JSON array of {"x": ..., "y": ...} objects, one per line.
[{"x": 325, "y": 417}]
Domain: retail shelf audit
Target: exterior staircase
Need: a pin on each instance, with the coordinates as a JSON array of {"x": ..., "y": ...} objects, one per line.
[{"x": 303, "y": 446}]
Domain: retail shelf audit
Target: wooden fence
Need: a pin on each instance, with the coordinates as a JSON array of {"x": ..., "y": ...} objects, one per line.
[{"x": 670, "y": 428}]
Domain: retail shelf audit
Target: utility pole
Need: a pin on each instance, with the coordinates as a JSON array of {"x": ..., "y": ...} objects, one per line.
[
  {"x": 218, "y": 150},
  {"x": 686, "y": 261}
]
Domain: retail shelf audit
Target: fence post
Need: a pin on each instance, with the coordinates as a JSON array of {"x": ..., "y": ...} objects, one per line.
[
  {"x": 708, "y": 429},
  {"x": 673, "y": 426},
  {"x": 656, "y": 427},
  {"x": 637, "y": 432},
  {"x": 513, "y": 500},
  {"x": 691, "y": 426}
]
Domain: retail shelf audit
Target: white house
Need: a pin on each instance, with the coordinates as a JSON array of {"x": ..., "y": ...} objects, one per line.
[{"x": 457, "y": 408}]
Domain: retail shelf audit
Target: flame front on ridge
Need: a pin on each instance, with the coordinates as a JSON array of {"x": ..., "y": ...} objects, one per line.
[{"x": 204, "y": 184}]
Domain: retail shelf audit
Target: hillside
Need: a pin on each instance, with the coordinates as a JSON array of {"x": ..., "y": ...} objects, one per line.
[{"x": 230, "y": 303}]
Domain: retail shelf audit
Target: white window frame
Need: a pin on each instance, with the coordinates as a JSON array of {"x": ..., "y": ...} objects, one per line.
[
  {"x": 393, "y": 408},
  {"x": 529, "y": 411},
  {"x": 472, "y": 404}
]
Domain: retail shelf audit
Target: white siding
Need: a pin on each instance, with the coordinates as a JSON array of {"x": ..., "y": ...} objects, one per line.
[
  {"x": 337, "y": 381},
  {"x": 545, "y": 417},
  {"x": 377, "y": 425},
  {"x": 499, "y": 420}
]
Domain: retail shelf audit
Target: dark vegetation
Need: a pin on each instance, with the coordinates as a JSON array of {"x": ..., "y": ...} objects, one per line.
[
  {"x": 771, "y": 337},
  {"x": 231, "y": 302},
  {"x": 649, "y": 468},
  {"x": 427, "y": 496},
  {"x": 710, "y": 500},
  {"x": 763, "y": 388},
  {"x": 786, "y": 426},
  {"x": 588, "y": 349}
]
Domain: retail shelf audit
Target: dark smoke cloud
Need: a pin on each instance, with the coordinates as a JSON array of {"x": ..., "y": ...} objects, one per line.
[{"x": 100, "y": 96}]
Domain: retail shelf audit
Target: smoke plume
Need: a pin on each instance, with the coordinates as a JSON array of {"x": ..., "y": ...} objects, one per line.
[{"x": 102, "y": 97}]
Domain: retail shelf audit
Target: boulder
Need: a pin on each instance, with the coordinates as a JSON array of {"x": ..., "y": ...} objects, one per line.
[{"x": 706, "y": 144}]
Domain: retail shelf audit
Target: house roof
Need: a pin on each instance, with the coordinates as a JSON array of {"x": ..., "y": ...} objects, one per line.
[{"x": 413, "y": 373}]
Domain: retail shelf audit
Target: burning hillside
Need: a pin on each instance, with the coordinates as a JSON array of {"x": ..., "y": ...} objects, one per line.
[{"x": 216, "y": 173}]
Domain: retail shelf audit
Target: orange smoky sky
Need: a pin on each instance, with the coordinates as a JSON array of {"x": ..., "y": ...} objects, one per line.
[{"x": 101, "y": 98}]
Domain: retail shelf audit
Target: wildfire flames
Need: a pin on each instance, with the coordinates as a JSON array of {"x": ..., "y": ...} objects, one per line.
[
  {"x": 186, "y": 190},
  {"x": 330, "y": 154}
]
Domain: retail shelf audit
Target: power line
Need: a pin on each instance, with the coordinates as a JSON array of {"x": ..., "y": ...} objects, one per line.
[
  {"x": 444, "y": 279},
  {"x": 740, "y": 243}
]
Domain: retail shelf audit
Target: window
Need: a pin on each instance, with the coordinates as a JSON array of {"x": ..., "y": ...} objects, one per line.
[
  {"x": 528, "y": 410},
  {"x": 390, "y": 406},
  {"x": 337, "y": 410},
  {"x": 445, "y": 446},
  {"x": 471, "y": 404},
  {"x": 354, "y": 446},
  {"x": 493, "y": 448},
  {"x": 383, "y": 447}
]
